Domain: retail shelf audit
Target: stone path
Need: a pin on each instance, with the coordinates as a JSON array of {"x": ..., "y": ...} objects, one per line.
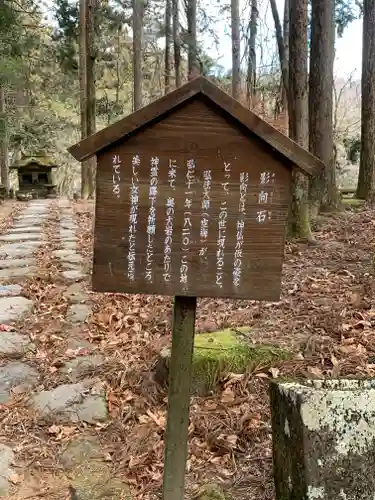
[{"x": 79, "y": 397}]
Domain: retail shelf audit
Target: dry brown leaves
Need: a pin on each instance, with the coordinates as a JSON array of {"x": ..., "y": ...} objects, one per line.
[{"x": 326, "y": 316}]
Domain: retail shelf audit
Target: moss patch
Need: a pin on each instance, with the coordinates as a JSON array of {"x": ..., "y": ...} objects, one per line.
[
  {"x": 352, "y": 203},
  {"x": 211, "y": 492},
  {"x": 219, "y": 353}
]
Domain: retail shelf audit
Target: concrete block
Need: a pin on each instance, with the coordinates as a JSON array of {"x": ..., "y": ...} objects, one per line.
[{"x": 324, "y": 439}]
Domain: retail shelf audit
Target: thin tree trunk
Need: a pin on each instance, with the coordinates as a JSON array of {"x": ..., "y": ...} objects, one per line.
[
  {"x": 85, "y": 166},
  {"x": 298, "y": 120},
  {"x": 4, "y": 167},
  {"x": 366, "y": 178},
  {"x": 118, "y": 66},
  {"x": 193, "y": 67},
  {"x": 176, "y": 42},
  {"x": 91, "y": 54},
  {"x": 322, "y": 46},
  {"x": 168, "y": 40},
  {"x": 251, "y": 66},
  {"x": 280, "y": 44},
  {"x": 236, "y": 49},
  {"x": 286, "y": 59},
  {"x": 138, "y": 9}
]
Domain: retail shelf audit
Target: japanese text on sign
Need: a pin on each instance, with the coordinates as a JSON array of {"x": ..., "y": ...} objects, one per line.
[{"x": 133, "y": 217}]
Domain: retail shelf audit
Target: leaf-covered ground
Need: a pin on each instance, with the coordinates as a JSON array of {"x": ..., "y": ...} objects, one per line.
[{"x": 326, "y": 316}]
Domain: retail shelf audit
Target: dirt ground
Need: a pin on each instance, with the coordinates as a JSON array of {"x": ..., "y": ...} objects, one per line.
[{"x": 326, "y": 318}]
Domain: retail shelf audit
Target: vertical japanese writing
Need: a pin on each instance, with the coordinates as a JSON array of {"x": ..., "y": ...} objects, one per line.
[
  {"x": 116, "y": 162},
  {"x": 238, "y": 255},
  {"x": 134, "y": 199},
  {"x": 186, "y": 228},
  {"x": 266, "y": 178},
  {"x": 222, "y": 228},
  {"x": 205, "y": 206},
  {"x": 172, "y": 173},
  {"x": 170, "y": 211},
  {"x": 151, "y": 221}
]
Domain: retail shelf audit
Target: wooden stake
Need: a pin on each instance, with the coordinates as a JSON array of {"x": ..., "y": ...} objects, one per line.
[{"x": 180, "y": 375}]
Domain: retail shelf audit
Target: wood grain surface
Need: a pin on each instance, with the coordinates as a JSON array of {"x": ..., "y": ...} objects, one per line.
[{"x": 211, "y": 158}]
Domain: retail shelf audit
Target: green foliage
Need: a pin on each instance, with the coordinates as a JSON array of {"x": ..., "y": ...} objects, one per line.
[
  {"x": 347, "y": 11},
  {"x": 353, "y": 148},
  {"x": 66, "y": 34}
]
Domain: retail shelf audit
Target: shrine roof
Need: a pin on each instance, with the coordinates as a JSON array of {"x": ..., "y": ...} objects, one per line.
[{"x": 40, "y": 158}]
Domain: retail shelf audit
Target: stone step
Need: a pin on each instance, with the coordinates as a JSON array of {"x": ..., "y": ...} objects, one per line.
[
  {"x": 9, "y": 263},
  {"x": 72, "y": 403},
  {"x": 19, "y": 272},
  {"x": 19, "y": 249},
  {"x": 21, "y": 237},
  {"x": 13, "y": 308}
]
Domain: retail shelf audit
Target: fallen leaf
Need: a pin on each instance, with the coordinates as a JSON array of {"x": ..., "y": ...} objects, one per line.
[
  {"x": 227, "y": 396},
  {"x": 274, "y": 372},
  {"x": 14, "y": 478}
]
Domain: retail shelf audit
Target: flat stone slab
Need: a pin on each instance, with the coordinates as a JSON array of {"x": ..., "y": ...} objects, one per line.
[
  {"x": 13, "y": 343},
  {"x": 29, "y": 215},
  {"x": 8, "y": 263},
  {"x": 67, "y": 233},
  {"x": 25, "y": 224},
  {"x": 13, "y": 308},
  {"x": 80, "y": 450},
  {"x": 21, "y": 237},
  {"x": 7, "y": 459},
  {"x": 324, "y": 439},
  {"x": 68, "y": 225},
  {"x": 10, "y": 290},
  {"x": 18, "y": 272},
  {"x": 78, "y": 313},
  {"x": 69, "y": 244},
  {"x": 73, "y": 275},
  {"x": 32, "y": 229},
  {"x": 19, "y": 249},
  {"x": 16, "y": 374},
  {"x": 76, "y": 293},
  {"x": 71, "y": 403},
  {"x": 82, "y": 365},
  {"x": 69, "y": 256}
]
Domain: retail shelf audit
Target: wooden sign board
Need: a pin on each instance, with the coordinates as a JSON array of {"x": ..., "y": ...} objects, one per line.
[{"x": 191, "y": 203}]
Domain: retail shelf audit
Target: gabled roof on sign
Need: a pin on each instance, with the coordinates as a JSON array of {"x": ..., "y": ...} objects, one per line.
[{"x": 201, "y": 85}]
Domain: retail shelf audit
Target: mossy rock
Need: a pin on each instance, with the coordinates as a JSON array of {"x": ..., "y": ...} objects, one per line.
[
  {"x": 91, "y": 477},
  {"x": 219, "y": 353},
  {"x": 349, "y": 203},
  {"x": 211, "y": 492}
]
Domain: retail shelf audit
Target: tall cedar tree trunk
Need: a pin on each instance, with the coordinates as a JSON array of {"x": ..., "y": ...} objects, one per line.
[
  {"x": 366, "y": 178},
  {"x": 283, "y": 56},
  {"x": 299, "y": 223},
  {"x": 138, "y": 9},
  {"x": 85, "y": 167},
  {"x": 168, "y": 42},
  {"x": 91, "y": 54},
  {"x": 236, "y": 49},
  {"x": 4, "y": 167},
  {"x": 252, "y": 62},
  {"x": 284, "y": 88},
  {"x": 191, "y": 14},
  {"x": 176, "y": 42},
  {"x": 324, "y": 192}
]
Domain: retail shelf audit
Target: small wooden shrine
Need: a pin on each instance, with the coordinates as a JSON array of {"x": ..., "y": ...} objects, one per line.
[{"x": 36, "y": 175}]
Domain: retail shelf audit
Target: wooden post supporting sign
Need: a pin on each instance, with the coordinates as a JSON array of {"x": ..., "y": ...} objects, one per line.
[{"x": 180, "y": 375}]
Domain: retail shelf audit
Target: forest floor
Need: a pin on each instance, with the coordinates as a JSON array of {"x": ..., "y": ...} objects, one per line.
[{"x": 89, "y": 405}]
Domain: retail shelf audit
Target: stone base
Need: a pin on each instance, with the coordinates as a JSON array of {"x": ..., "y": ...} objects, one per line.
[{"x": 324, "y": 439}]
